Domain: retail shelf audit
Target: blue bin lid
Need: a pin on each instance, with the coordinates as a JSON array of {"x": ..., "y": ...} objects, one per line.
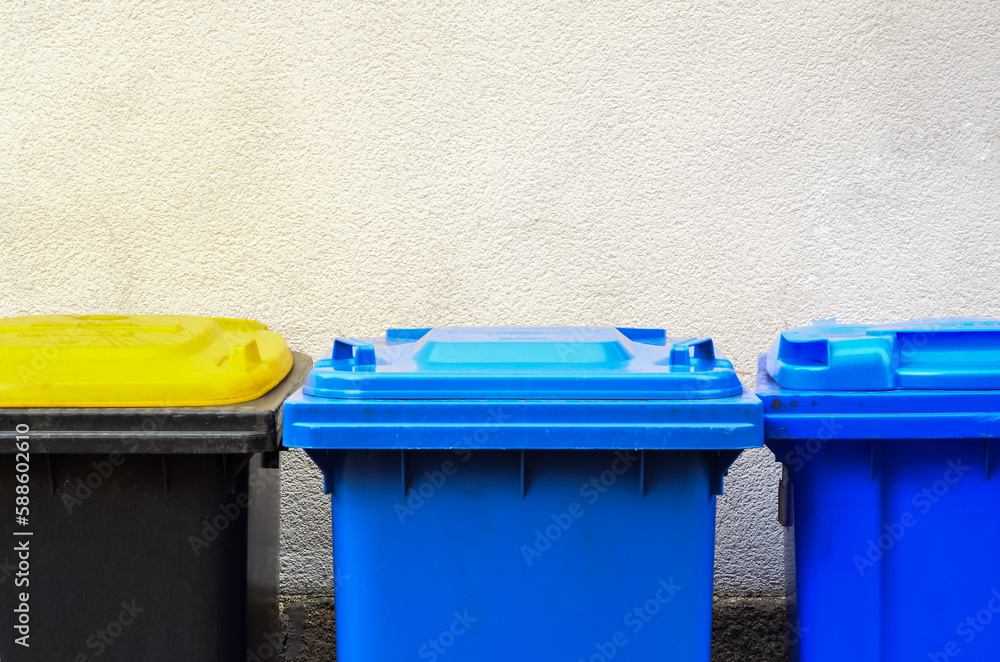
[
  {"x": 586, "y": 363},
  {"x": 957, "y": 353}
]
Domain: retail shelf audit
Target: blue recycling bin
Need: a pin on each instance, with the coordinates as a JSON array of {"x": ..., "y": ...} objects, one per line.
[
  {"x": 889, "y": 495},
  {"x": 523, "y": 493}
]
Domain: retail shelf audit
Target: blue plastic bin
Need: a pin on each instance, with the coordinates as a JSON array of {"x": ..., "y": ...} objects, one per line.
[
  {"x": 523, "y": 493},
  {"x": 889, "y": 496}
]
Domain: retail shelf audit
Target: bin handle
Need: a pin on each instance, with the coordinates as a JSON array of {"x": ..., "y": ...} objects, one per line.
[
  {"x": 681, "y": 352},
  {"x": 356, "y": 352}
]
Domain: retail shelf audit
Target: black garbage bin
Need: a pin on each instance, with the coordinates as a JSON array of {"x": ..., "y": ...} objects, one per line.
[{"x": 139, "y": 465}]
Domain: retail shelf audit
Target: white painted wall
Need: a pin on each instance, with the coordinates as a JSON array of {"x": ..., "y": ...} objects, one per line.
[{"x": 725, "y": 168}]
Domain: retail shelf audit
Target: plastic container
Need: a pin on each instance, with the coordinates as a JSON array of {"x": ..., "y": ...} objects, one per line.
[
  {"x": 889, "y": 496},
  {"x": 150, "y": 512},
  {"x": 523, "y": 493}
]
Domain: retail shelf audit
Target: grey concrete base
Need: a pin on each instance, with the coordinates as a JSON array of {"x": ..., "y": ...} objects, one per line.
[
  {"x": 308, "y": 631},
  {"x": 744, "y": 629}
]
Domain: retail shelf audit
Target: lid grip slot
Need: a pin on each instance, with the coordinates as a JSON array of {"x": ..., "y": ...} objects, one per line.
[
  {"x": 698, "y": 348},
  {"x": 948, "y": 359}
]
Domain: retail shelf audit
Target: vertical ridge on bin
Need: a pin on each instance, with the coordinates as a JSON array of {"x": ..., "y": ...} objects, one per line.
[
  {"x": 524, "y": 482},
  {"x": 986, "y": 459},
  {"x": 402, "y": 471},
  {"x": 871, "y": 460},
  {"x": 50, "y": 472},
  {"x": 166, "y": 474},
  {"x": 642, "y": 473}
]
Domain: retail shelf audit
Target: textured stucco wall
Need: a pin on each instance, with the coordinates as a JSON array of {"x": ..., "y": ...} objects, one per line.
[{"x": 717, "y": 168}]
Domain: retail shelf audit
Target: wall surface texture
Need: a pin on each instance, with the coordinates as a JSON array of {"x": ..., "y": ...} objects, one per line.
[{"x": 721, "y": 168}]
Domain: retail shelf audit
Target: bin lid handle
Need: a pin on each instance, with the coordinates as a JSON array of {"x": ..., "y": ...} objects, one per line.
[{"x": 350, "y": 354}]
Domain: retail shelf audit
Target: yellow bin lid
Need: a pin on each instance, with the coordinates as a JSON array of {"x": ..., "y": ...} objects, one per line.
[{"x": 137, "y": 361}]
